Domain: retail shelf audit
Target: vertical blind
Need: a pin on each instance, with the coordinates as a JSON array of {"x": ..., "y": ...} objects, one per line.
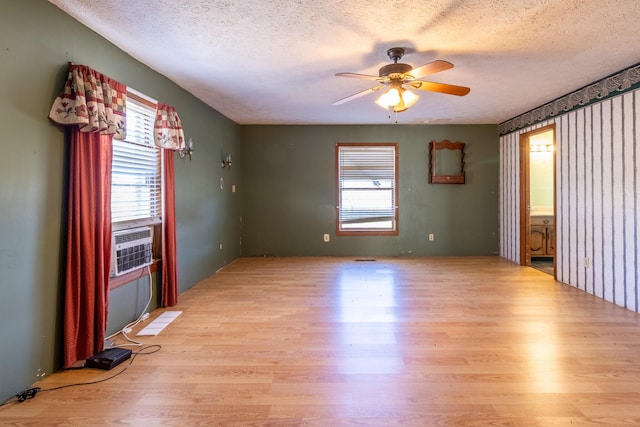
[
  {"x": 136, "y": 184},
  {"x": 367, "y": 187}
]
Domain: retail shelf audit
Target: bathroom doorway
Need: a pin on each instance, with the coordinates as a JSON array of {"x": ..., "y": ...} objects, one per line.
[{"x": 537, "y": 199}]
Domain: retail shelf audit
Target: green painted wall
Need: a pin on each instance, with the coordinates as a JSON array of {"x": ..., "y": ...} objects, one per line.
[
  {"x": 36, "y": 41},
  {"x": 288, "y": 192}
]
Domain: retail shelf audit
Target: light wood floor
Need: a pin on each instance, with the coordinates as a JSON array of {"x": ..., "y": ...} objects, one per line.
[{"x": 396, "y": 342}]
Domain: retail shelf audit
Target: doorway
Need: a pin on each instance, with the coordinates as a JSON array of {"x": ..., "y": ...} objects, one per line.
[{"x": 537, "y": 199}]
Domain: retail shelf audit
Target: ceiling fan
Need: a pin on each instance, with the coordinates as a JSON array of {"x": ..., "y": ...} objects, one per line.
[{"x": 400, "y": 78}]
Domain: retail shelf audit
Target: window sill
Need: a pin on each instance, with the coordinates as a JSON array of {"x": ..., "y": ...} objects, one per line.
[
  {"x": 116, "y": 282},
  {"x": 367, "y": 233}
]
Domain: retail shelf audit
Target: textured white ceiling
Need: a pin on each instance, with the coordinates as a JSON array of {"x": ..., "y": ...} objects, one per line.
[{"x": 273, "y": 61}]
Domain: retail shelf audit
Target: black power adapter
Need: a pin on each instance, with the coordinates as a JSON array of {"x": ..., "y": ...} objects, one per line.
[{"x": 108, "y": 359}]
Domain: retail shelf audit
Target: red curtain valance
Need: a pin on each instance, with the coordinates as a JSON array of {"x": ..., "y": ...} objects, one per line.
[{"x": 91, "y": 100}]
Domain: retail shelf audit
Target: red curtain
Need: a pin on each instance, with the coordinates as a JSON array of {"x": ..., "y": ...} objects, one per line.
[
  {"x": 168, "y": 134},
  {"x": 94, "y": 105},
  {"x": 88, "y": 246},
  {"x": 169, "y": 250}
]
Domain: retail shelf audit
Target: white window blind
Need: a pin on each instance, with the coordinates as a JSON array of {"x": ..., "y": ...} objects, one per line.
[
  {"x": 367, "y": 187},
  {"x": 136, "y": 174}
]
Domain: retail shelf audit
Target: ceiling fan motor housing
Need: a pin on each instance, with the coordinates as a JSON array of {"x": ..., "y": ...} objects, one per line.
[{"x": 396, "y": 68}]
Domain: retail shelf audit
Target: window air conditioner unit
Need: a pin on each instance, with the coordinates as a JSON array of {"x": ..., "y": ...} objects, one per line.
[{"x": 131, "y": 249}]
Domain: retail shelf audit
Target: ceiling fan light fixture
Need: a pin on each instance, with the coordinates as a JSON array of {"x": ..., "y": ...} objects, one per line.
[
  {"x": 398, "y": 99},
  {"x": 389, "y": 99},
  {"x": 393, "y": 97},
  {"x": 409, "y": 98},
  {"x": 399, "y": 107},
  {"x": 382, "y": 101}
]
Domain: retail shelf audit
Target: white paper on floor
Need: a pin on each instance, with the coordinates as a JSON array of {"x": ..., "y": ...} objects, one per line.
[{"x": 159, "y": 323}]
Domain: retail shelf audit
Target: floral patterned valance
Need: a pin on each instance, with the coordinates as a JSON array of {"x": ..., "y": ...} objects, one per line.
[
  {"x": 92, "y": 101},
  {"x": 167, "y": 132}
]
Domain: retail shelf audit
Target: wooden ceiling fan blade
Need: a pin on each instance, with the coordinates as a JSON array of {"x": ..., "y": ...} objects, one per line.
[
  {"x": 357, "y": 95},
  {"x": 361, "y": 76},
  {"x": 440, "y": 87},
  {"x": 430, "y": 68}
]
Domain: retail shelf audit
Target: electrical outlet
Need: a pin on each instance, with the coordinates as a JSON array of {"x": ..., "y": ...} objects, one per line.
[
  {"x": 587, "y": 263},
  {"x": 326, "y": 238},
  {"x": 431, "y": 237},
  {"x": 220, "y": 246}
]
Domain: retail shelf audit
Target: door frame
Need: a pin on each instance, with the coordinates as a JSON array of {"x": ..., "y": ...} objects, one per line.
[{"x": 525, "y": 196}]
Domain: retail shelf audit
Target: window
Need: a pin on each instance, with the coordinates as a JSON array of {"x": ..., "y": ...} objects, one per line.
[
  {"x": 367, "y": 176},
  {"x": 136, "y": 185}
]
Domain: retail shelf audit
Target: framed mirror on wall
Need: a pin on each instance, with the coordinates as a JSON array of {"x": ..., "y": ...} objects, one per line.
[{"x": 446, "y": 162}]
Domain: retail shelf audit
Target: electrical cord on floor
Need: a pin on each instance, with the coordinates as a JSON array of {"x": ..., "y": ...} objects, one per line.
[
  {"x": 30, "y": 393},
  {"x": 127, "y": 328},
  {"x": 27, "y": 394}
]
